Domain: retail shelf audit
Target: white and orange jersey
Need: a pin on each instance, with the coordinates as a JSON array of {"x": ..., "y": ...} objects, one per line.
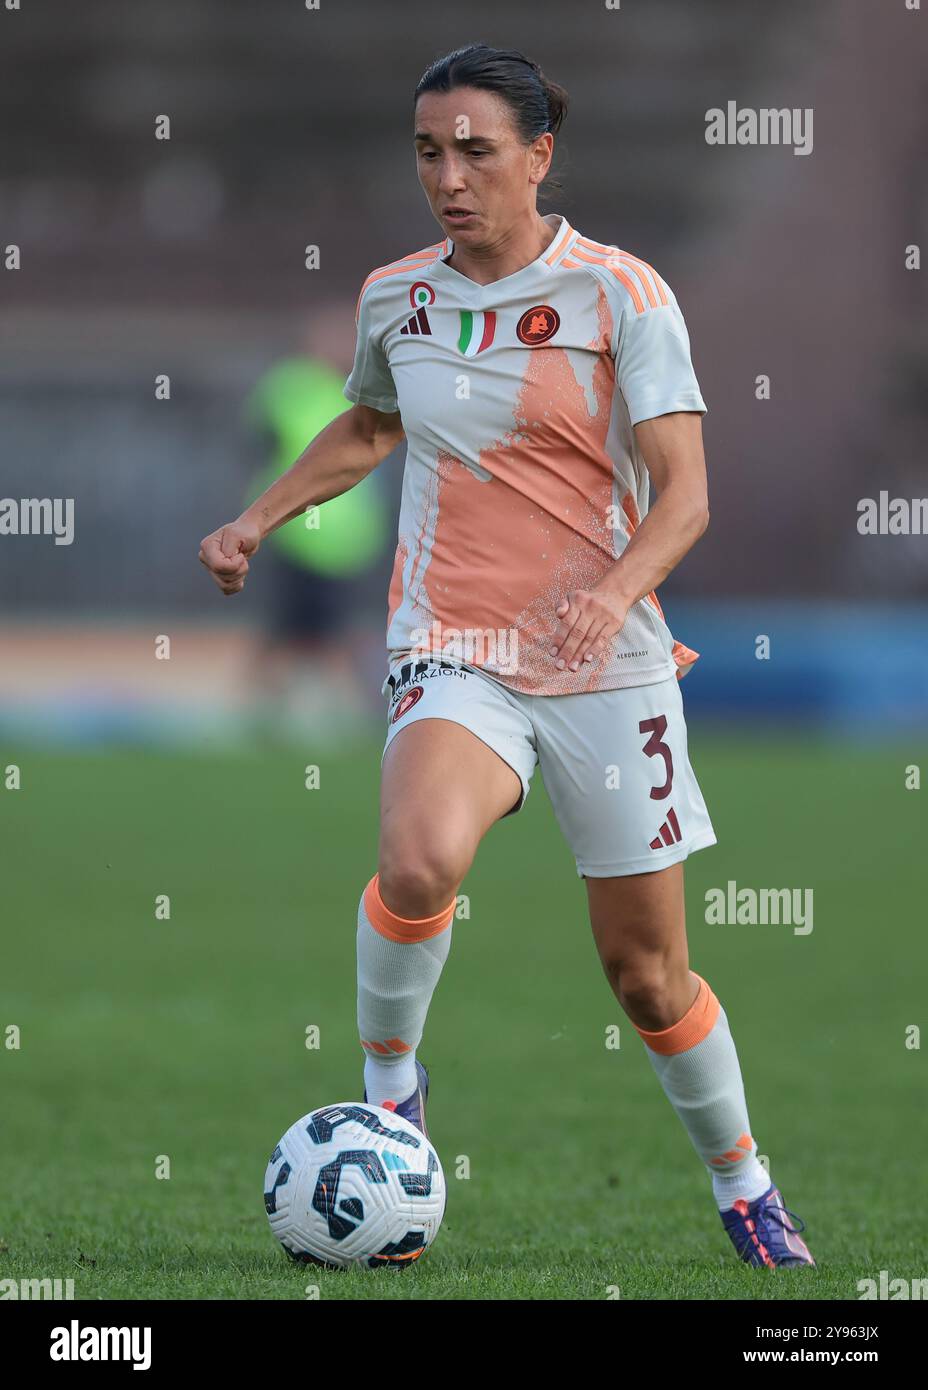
[{"x": 523, "y": 477}]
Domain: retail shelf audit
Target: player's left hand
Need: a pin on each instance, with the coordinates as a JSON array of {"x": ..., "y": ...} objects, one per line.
[{"x": 589, "y": 620}]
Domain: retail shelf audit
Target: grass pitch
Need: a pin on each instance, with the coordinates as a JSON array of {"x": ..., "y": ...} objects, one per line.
[{"x": 185, "y": 1037}]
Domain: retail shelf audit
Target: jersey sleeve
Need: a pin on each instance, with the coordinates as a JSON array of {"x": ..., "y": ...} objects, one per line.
[
  {"x": 653, "y": 366},
  {"x": 371, "y": 381}
]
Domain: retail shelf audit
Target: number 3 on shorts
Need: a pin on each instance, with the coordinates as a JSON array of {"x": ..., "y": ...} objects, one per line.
[{"x": 657, "y": 727}]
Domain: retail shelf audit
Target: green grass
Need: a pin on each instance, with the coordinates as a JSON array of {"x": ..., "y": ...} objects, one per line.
[{"x": 185, "y": 1038}]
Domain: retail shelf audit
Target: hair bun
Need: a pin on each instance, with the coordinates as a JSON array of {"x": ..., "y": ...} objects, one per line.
[{"x": 557, "y": 102}]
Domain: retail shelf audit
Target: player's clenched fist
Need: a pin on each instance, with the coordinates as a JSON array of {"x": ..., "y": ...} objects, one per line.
[{"x": 225, "y": 554}]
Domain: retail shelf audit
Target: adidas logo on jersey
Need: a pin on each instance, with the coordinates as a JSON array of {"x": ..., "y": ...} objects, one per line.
[{"x": 669, "y": 832}]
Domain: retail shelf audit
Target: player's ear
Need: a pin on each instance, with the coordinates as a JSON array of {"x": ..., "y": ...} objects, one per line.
[{"x": 542, "y": 152}]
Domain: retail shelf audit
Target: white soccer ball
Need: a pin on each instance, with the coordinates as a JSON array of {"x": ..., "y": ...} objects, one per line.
[{"x": 354, "y": 1184}]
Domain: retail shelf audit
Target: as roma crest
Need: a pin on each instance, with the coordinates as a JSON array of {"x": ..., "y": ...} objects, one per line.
[
  {"x": 412, "y": 697},
  {"x": 538, "y": 325}
]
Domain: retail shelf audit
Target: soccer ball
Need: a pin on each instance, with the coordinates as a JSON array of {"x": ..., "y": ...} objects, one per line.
[{"x": 354, "y": 1184}]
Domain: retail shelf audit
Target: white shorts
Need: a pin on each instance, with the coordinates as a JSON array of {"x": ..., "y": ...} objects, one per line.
[{"x": 614, "y": 762}]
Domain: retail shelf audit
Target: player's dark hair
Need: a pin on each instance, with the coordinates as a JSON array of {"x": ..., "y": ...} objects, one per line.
[{"x": 537, "y": 104}]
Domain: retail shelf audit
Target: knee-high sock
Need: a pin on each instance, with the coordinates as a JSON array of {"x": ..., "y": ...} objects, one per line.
[
  {"x": 698, "y": 1068},
  {"x": 399, "y": 962}
]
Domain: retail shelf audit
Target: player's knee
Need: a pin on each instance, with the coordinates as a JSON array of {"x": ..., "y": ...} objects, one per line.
[
  {"x": 418, "y": 881},
  {"x": 647, "y": 989}
]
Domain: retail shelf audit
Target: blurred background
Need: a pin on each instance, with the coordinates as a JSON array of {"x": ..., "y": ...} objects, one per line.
[{"x": 145, "y": 258}]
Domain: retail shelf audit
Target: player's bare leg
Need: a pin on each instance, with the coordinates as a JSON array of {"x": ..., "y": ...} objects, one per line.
[
  {"x": 639, "y": 925},
  {"x": 441, "y": 790}
]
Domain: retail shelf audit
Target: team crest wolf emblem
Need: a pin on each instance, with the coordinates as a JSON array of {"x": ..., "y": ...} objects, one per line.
[
  {"x": 412, "y": 697},
  {"x": 538, "y": 325}
]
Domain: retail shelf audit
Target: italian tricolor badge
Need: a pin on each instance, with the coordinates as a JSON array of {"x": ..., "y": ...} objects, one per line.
[{"x": 477, "y": 329}]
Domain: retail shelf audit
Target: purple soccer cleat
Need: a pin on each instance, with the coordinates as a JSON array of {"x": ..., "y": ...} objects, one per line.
[
  {"x": 412, "y": 1109},
  {"x": 763, "y": 1233}
]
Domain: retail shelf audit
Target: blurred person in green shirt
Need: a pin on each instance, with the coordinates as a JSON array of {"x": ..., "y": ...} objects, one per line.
[{"x": 319, "y": 561}]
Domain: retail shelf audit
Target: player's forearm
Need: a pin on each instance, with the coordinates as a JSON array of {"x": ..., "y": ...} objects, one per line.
[
  {"x": 336, "y": 460},
  {"x": 672, "y": 527}
]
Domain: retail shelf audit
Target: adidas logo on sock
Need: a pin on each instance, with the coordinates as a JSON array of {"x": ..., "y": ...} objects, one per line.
[{"x": 669, "y": 832}]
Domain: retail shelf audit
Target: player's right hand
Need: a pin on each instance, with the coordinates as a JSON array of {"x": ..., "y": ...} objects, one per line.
[{"x": 225, "y": 554}]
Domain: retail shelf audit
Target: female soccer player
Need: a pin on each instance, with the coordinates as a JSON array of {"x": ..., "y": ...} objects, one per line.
[{"x": 540, "y": 379}]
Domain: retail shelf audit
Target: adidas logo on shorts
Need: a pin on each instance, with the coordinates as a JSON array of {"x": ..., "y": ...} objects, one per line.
[{"x": 669, "y": 833}]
